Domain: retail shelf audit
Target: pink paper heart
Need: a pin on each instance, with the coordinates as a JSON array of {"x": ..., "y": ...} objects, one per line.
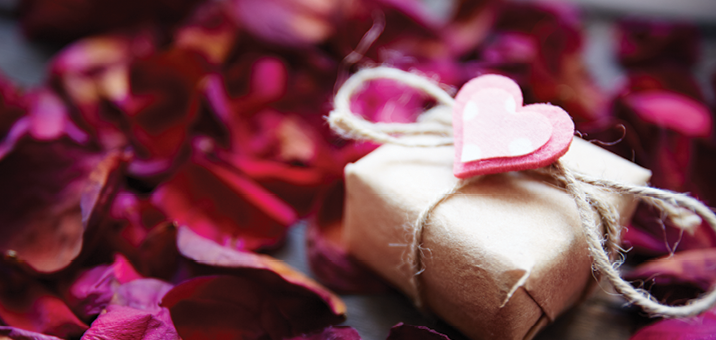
[{"x": 494, "y": 133}]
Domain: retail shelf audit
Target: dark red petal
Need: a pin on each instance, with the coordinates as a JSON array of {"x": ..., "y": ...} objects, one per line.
[
  {"x": 331, "y": 333},
  {"x": 222, "y": 204},
  {"x": 328, "y": 256},
  {"x": 63, "y": 21},
  {"x": 693, "y": 328},
  {"x": 161, "y": 108},
  {"x": 12, "y": 106},
  {"x": 157, "y": 256},
  {"x": 210, "y": 32},
  {"x": 649, "y": 43},
  {"x": 235, "y": 307},
  {"x": 60, "y": 190},
  {"x": 407, "y": 332},
  {"x": 216, "y": 258},
  {"x": 653, "y": 234},
  {"x": 275, "y": 299},
  {"x": 12, "y": 333},
  {"x": 120, "y": 323},
  {"x": 26, "y": 304}
]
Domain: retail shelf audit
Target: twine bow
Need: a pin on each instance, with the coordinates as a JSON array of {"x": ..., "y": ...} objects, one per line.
[{"x": 605, "y": 253}]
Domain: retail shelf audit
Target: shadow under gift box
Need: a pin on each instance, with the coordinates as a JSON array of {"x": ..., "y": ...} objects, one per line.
[{"x": 506, "y": 254}]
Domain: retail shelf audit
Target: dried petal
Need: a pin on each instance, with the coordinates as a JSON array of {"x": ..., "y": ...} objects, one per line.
[
  {"x": 673, "y": 111},
  {"x": 142, "y": 294},
  {"x": 249, "y": 307},
  {"x": 211, "y": 32},
  {"x": 694, "y": 267},
  {"x": 60, "y": 190},
  {"x": 650, "y": 43},
  {"x": 328, "y": 255},
  {"x": 331, "y": 333},
  {"x": 653, "y": 234},
  {"x": 407, "y": 332},
  {"x": 121, "y": 322},
  {"x": 163, "y": 104},
  {"x": 93, "y": 289},
  {"x": 694, "y": 328},
  {"x": 222, "y": 204},
  {"x": 208, "y": 253},
  {"x": 66, "y": 20},
  {"x": 26, "y": 304},
  {"x": 286, "y": 302},
  {"x": 12, "y": 106},
  {"x": 291, "y": 23},
  {"x": 13, "y": 333}
]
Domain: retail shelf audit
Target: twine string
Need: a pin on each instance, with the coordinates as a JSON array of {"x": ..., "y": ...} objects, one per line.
[{"x": 595, "y": 213}]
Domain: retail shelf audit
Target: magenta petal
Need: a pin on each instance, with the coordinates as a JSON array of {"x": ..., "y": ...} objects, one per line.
[
  {"x": 121, "y": 322},
  {"x": 11, "y": 333},
  {"x": 695, "y": 328},
  {"x": 93, "y": 290},
  {"x": 672, "y": 110},
  {"x": 695, "y": 267},
  {"x": 142, "y": 294},
  {"x": 407, "y": 332}
]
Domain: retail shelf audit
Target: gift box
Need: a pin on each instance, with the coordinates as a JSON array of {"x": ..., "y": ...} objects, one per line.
[{"x": 503, "y": 256}]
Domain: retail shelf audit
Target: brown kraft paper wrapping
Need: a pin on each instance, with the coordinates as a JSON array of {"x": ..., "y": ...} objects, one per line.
[{"x": 506, "y": 254}]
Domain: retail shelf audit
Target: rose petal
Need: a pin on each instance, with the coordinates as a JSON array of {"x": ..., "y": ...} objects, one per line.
[
  {"x": 306, "y": 305},
  {"x": 158, "y": 256},
  {"x": 331, "y": 333},
  {"x": 21, "y": 334},
  {"x": 672, "y": 110},
  {"x": 389, "y": 101},
  {"x": 291, "y": 23},
  {"x": 26, "y": 304},
  {"x": 121, "y": 322},
  {"x": 221, "y": 203},
  {"x": 12, "y": 106},
  {"x": 694, "y": 267},
  {"x": 61, "y": 190},
  {"x": 328, "y": 256},
  {"x": 648, "y": 43},
  {"x": 407, "y": 332},
  {"x": 208, "y": 253},
  {"x": 163, "y": 104},
  {"x": 247, "y": 307},
  {"x": 693, "y": 328},
  {"x": 62, "y": 20},
  {"x": 653, "y": 234},
  {"x": 93, "y": 289},
  {"x": 142, "y": 294},
  {"x": 211, "y": 32}
]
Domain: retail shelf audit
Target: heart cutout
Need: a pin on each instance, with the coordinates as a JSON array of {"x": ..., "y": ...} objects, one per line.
[{"x": 494, "y": 133}]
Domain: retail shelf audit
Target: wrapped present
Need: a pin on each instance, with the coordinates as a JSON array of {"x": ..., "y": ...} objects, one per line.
[{"x": 502, "y": 258}]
